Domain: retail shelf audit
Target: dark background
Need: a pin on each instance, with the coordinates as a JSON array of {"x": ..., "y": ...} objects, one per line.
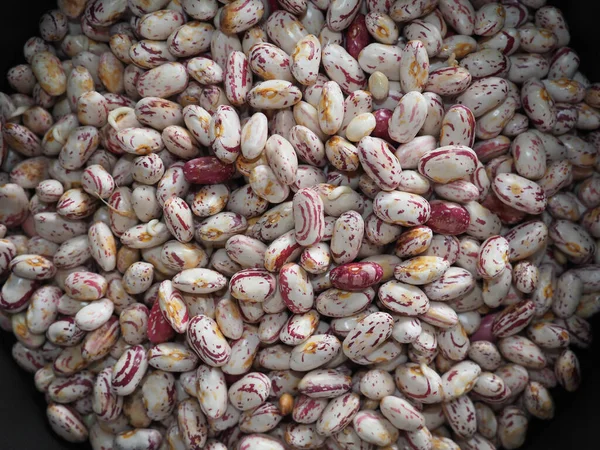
[{"x": 22, "y": 409}]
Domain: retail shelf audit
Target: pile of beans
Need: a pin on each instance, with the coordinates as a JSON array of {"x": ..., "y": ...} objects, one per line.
[{"x": 292, "y": 224}]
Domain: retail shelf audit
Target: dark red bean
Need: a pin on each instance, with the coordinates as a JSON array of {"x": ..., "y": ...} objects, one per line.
[
  {"x": 357, "y": 36},
  {"x": 159, "y": 330},
  {"x": 484, "y": 332},
  {"x": 382, "y": 118},
  {"x": 448, "y": 218},
  {"x": 356, "y": 276},
  {"x": 507, "y": 214},
  {"x": 208, "y": 170}
]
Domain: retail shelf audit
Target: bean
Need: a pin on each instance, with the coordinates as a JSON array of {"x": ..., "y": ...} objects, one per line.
[
  {"x": 66, "y": 423},
  {"x": 214, "y": 351},
  {"x": 129, "y": 370}
]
